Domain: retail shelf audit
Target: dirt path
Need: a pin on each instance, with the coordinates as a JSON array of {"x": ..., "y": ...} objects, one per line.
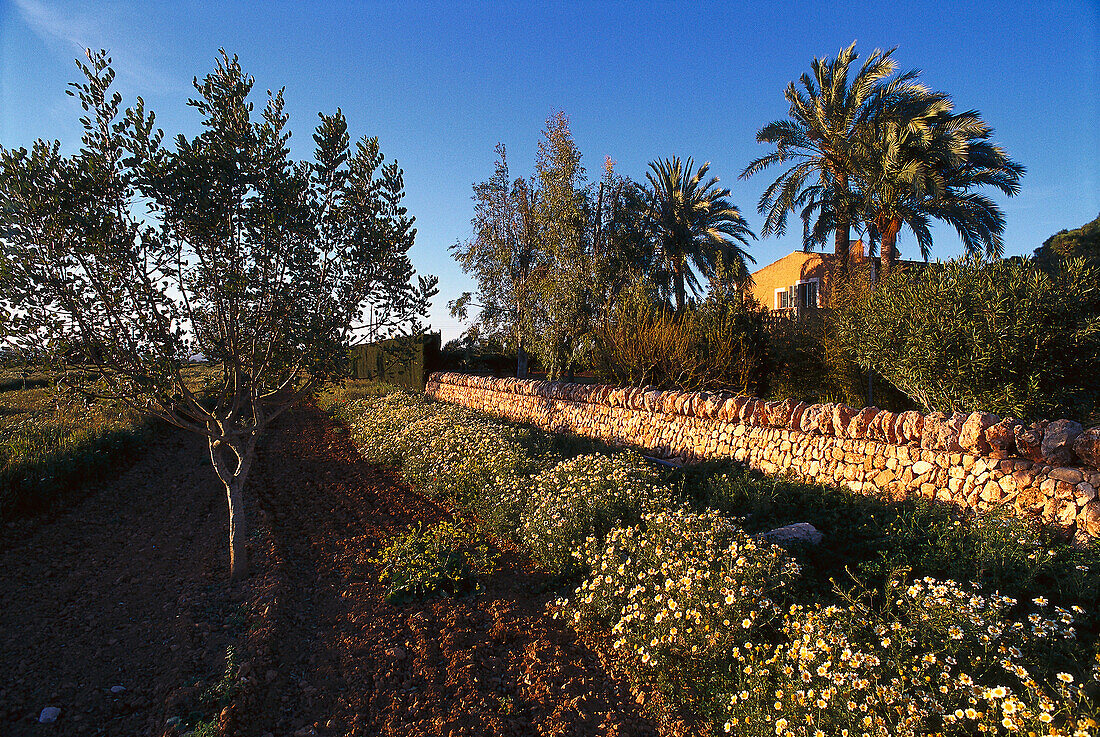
[
  {"x": 118, "y": 589},
  {"x": 349, "y": 664},
  {"x": 125, "y": 588}
]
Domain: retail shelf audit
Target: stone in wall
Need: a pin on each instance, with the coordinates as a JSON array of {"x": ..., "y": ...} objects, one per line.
[
  {"x": 857, "y": 427},
  {"x": 1058, "y": 439},
  {"x": 973, "y": 437},
  {"x": 842, "y": 417},
  {"x": 1001, "y": 437},
  {"x": 1029, "y": 440},
  {"x": 1087, "y": 446},
  {"x": 912, "y": 426}
]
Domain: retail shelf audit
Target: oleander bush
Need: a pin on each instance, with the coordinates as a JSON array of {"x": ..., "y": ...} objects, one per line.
[{"x": 1005, "y": 336}]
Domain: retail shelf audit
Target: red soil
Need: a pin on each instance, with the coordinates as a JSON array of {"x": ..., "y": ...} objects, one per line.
[{"x": 125, "y": 588}]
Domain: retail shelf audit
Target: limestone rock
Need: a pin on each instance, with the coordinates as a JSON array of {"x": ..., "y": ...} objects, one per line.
[
  {"x": 1087, "y": 446},
  {"x": 726, "y": 410},
  {"x": 797, "y": 411},
  {"x": 1086, "y": 492},
  {"x": 1029, "y": 440},
  {"x": 890, "y": 428},
  {"x": 922, "y": 467},
  {"x": 930, "y": 433},
  {"x": 1089, "y": 518},
  {"x": 809, "y": 418},
  {"x": 825, "y": 419},
  {"x": 1058, "y": 439},
  {"x": 874, "y": 427},
  {"x": 912, "y": 425},
  {"x": 760, "y": 414},
  {"x": 780, "y": 413},
  {"x": 668, "y": 402},
  {"x": 857, "y": 428},
  {"x": 1001, "y": 437},
  {"x": 973, "y": 436},
  {"x": 899, "y": 429},
  {"x": 949, "y": 432},
  {"x": 747, "y": 410},
  {"x": 800, "y": 533},
  {"x": 1066, "y": 474},
  {"x": 842, "y": 417}
]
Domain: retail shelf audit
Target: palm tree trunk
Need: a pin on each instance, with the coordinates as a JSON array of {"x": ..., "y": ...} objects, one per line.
[
  {"x": 843, "y": 236},
  {"x": 678, "y": 284},
  {"x": 842, "y": 246},
  {"x": 889, "y": 248}
]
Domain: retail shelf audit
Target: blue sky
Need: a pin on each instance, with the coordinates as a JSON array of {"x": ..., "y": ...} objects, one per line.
[{"x": 441, "y": 84}]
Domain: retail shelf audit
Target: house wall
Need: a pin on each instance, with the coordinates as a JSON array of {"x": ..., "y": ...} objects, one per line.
[
  {"x": 976, "y": 461},
  {"x": 791, "y": 269}
]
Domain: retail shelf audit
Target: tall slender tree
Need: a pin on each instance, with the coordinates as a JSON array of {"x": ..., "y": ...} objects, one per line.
[
  {"x": 504, "y": 258},
  {"x": 693, "y": 224},
  {"x": 820, "y": 143}
]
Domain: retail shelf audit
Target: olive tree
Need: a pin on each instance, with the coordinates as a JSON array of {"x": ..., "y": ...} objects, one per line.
[{"x": 136, "y": 257}]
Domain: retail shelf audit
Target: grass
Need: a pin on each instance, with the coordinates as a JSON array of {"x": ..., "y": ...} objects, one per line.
[
  {"x": 54, "y": 439},
  {"x": 332, "y": 397}
]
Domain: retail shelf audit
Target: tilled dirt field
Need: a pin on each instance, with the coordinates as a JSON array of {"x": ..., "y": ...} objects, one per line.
[{"x": 125, "y": 589}]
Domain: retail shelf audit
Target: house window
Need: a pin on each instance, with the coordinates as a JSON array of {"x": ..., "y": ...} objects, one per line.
[
  {"x": 807, "y": 294},
  {"x": 797, "y": 296}
]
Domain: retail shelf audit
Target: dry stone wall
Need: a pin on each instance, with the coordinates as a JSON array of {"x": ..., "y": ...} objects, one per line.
[{"x": 979, "y": 461}]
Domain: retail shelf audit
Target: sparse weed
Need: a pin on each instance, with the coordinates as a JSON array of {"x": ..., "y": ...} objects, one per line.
[{"x": 438, "y": 559}]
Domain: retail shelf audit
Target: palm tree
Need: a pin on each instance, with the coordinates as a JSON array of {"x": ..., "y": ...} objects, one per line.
[
  {"x": 693, "y": 224},
  {"x": 921, "y": 166},
  {"x": 820, "y": 140}
]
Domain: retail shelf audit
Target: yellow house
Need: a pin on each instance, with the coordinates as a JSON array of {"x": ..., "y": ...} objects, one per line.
[{"x": 801, "y": 280}]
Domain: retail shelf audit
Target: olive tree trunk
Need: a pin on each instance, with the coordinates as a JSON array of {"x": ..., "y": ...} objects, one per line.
[{"x": 232, "y": 458}]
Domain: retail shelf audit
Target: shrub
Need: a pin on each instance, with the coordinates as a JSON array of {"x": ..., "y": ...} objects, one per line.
[
  {"x": 438, "y": 559},
  {"x": 999, "y": 336},
  {"x": 456, "y": 456},
  {"x": 878, "y": 536},
  {"x": 449, "y": 452},
  {"x": 375, "y": 424},
  {"x": 682, "y": 594},
  {"x": 735, "y": 632},
  {"x": 335, "y": 398},
  {"x": 933, "y": 656},
  {"x": 581, "y": 498},
  {"x": 811, "y": 363},
  {"x": 718, "y": 345}
]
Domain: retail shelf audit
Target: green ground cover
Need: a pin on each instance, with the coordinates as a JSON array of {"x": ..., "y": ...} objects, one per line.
[
  {"x": 909, "y": 618},
  {"x": 54, "y": 439}
]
